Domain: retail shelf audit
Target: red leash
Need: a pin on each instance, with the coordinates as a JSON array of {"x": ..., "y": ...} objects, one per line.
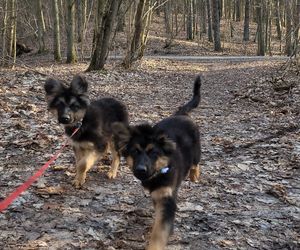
[{"x": 6, "y": 202}]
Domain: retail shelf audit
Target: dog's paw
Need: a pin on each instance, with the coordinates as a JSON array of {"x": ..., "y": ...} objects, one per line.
[
  {"x": 111, "y": 174},
  {"x": 195, "y": 174},
  {"x": 78, "y": 182}
]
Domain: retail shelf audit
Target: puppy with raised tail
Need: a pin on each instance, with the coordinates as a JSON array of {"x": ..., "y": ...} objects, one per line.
[{"x": 161, "y": 156}]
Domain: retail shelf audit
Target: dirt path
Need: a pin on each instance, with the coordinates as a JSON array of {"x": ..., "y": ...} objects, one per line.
[{"x": 248, "y": 197}]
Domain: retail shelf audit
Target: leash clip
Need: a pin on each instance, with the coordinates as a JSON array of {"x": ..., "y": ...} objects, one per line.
[
  {"x": 164, "y": 170},
  {"x": 78, "y": 124}
]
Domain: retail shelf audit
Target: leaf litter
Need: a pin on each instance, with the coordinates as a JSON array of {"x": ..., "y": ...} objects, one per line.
[{"x": 248, "y": 196}]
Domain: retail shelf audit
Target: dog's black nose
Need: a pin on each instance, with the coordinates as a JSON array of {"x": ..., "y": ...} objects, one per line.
[
  {"x": 140, "y": 172},
  {"x": 65, "y": 119}
]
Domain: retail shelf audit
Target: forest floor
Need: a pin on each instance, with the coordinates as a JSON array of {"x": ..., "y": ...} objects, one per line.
[{"x": 249, "y": 193}]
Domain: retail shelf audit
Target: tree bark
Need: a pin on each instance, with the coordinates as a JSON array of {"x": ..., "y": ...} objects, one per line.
[
  {"x": 168, "y": 26},
  {"x": 288, "y": 35},
  {"x": 56, "y": 31},
  {"x": 296, "y": 27},
  {"x": 107, "y": 12},
  {"x": 278, "y": 19},
  {"x": 41, "y": 26},
  {"x": 209, "y": 21},
  {"x": 202, "y": 12},
  {"x": 71, "y": 53},
  {"x": 189, "y": 21},
  {"x": 246, "y": 20},
  {"x": 238, "y": 10},
  {"x": 133, "y": 53},
  {"x": 12, "y": 32},
  {"x": 260, "y": 30},
  {"x": 4, "y": 34},
  {"x": 216, "y": 25}
]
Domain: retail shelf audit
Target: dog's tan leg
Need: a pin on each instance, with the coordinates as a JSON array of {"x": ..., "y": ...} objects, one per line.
[
  {"x": 115, "y": 162},
  {"x": 195, "y": 173},
  {"x": 78, "y": 154},
  {"x": 84, "y": 163},
  {"x": 164, "y": 218}
]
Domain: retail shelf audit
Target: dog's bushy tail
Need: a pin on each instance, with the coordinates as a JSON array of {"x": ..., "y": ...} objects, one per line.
[{"x": 185, "y": 109}]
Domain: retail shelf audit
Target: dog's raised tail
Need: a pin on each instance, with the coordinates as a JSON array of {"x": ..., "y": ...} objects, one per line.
[{"x": 186, "y": 108}]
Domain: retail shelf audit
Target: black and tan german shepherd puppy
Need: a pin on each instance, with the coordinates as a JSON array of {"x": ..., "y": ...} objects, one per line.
[
  {"x": 161, "y": 156},
  {"x": 94, "y": 138}
]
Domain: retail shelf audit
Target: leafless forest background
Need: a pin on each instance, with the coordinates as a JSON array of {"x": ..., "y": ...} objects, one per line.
[{"x": 248, "y": 196}]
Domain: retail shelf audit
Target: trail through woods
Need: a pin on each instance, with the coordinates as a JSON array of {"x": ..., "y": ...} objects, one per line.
[{"x": 248, "y": 196}]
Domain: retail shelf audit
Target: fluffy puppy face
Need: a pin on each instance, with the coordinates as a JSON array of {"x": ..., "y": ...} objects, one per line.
[
  {"x": 68, "y": 103},
  {"x": 146, "y": 150}
]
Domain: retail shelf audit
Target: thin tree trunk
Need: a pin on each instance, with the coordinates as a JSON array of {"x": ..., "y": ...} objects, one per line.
[
  {"x": 269, "y": 24},
  {"x": 56, "y": 31},
  {"x": 147, "y": 21},
  {"x": 278, "y": 20},
  {"x": 12, "y": 31},
  {"x": 288, "y": 35},
  {"x": 260, "y": 30},
  {"x": 107, "y": 12},
  {"x": 202, "y": 11},
  {"x": 4, "y": 34},
  {"x": 209, "y": 21},
  {"x": 238, "y": 10},
  {"x": 216, "y": 25},
  {"x": 246, "y": 20},
  {"x": 189, "y": 21},
  {"x": 296, "y": 27},
  {"x": 71, "y": 53},
  {"x": 169, "y": 31},
  {"x": 41, "y": 26},
  {"x": 135, "y": 46},
  {"x": 121, "y": 18},
  {"x": 79, "y": 20}
]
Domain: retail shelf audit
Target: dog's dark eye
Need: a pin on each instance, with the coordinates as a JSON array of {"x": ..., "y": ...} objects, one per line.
[
  {"x": 58, "y": 104},
  {"x": 74, "y": 106},
  {"x": 135, "y": 151},
  {"x": 153, "y": 152}
]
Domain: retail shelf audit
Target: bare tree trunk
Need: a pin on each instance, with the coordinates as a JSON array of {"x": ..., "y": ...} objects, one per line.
[
  {"x": 176, "y": 17},
  {"x": 41, "y": 26},
  {"x": 4, "y": 34},
  {"x": 107, "y": 12},
  {"x": 246, "y": 20},
  {"x": 260, "y": 30},
  {"x": 146, "y": 27},
  {"x": 169, "y": 31},
  {"x": 238, "y": 10},
  {"x": 56, "y": 31},
  {"x": 81, "y": 19},
  {"x": 202, "y": 12},
  {"x": 133, "y": 53},
  {"x": 12, "y": 32},
  {"x": 189, "y": 21},
  {"x": 71, "y": 53},
  {"x": 121, "y": 18},
  {"x": 216, "y": 25},
  {"x": 278, "y": 19},
  {"x": 288, "y": 35},
  {"x": 296, "y": 27},
  {"x": 269, "y": 25},
  {"x": 209, "y": 21}
]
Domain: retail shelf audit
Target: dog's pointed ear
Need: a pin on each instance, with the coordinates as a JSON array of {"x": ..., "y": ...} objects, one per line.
[
  {"x": 166, "y": 143},
  {"x": 53, "y": 86},
  {"x": 121, "y": 134},
  {"x": 79, "y": 85}
]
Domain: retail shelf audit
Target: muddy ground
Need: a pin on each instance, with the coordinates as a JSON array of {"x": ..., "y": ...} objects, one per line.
[{"x": 249, "y": 193}]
